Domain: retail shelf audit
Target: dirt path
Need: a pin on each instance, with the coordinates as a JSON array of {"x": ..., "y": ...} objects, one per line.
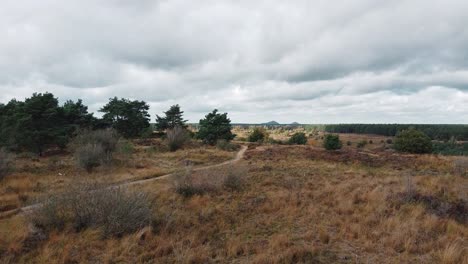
[{"x": 29, "y": 208}]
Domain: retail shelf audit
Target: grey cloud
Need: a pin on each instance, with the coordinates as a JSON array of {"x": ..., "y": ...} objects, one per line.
[{"x": 306, "y": 61}]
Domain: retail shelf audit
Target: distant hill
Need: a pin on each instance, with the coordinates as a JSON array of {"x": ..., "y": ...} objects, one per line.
[
  {"x": 271, "y": 123},
  {"x": 295, "y": 123}
]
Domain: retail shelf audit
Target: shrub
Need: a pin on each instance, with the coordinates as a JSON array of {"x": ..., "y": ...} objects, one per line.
[
  {"x": 258, "y": 135},
  {"x": 413, "y": 141},
  {"x": 126, "y": 147},
  {"x": 6, "y": 163},
  {"x": 362, "y": 143},
  {"x": 226, "y": 145},
  {"x": 234, "y": 180},
  {"x": 186, "y": 185},
  {"x": 332, "y": 142},
  {"x": 176, "y": 138},
  {"x": 371, "y": 142},
  {"x": 389, "y": 141},
  {"x": 89, "y": 156},
  {"x": 113, "y": 210},
  {"x": 298, "y": 138},
  {"x": 107, "y": 138},
  {"x": 349, "y": 143}
]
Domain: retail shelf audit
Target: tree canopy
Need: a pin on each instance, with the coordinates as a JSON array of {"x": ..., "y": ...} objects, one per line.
[
  {"x": 413, "y": 141},
  {"x": 129, "y": 118},
  {"x": 173, "y": 118},
  {"x": 215, "y": 126}
]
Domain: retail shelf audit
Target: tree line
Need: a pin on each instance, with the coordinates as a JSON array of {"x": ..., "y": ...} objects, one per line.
[
  {"x": 435, "y": 132},
  {"x": 40, "y": 122}
]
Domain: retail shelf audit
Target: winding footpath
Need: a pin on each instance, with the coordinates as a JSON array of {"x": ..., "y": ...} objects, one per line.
[{"x": 29, "y": 208}]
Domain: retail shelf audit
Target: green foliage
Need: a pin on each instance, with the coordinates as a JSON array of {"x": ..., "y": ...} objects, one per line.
[
  {"x": 173, "y": 117},
  {"x": 35, "y": 124},
  {"x": 298, "y": 138},
  {"x": 215, "y": 126},
  {"x": 259, "y": 134},
  {"x": 6, "y": 163},
  {"x": 450, "y": 148},
  {"x": 332, "y": 142},
  {"x": 129, "y": 118},
  {"x": 413, "y": 141},
  {"x": 437, "y": 132},
  {"x": 39, "y": 122}
]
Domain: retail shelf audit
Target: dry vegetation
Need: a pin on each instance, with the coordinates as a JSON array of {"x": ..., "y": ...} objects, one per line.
[
  {"x": 289, "y": 204},
  {"x": 35, "y": 177}
]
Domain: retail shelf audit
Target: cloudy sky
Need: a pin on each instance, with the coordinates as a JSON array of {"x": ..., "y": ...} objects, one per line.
[{"x": 362, "y": 61}]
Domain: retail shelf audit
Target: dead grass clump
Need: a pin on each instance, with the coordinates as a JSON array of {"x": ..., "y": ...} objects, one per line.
[
  {"x": 456, "y": 209},
  {"x": 225, "y": 145},
  {"x": 460, "y": 166},
  {"x": 112, "y": 210},
  {"x": 187, "y": 185},
  {"x": 234, "y": 180},
  {"x": 6, "y": 163},
  {"x": 453, "y": 253},
  {"x": 107, "y": 138},
  {"x": 214, "y": 180},
  {"x": 176, "y": 138},
  {"x": 89, "y": 156}
]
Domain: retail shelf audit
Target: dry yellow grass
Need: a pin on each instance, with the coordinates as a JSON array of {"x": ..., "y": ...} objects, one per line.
[
  {"x": 35, "y": 177},
  {"x": 299, "y": 205}
]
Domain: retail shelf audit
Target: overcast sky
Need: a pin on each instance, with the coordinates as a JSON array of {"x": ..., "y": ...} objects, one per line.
[{"x": 305, "y": 61}]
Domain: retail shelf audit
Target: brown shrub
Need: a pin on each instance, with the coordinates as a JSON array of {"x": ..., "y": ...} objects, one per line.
[
  {"x": 460, "y": 166},
  {"x": 113, "y": 210},
  {"x": 89, "y": 156},
  {"x": 176, "y": 138},
  {"x": 107, "y": 138}
]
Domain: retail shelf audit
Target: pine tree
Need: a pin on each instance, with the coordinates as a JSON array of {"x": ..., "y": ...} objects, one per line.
[
  {"x": 214, "y": 127},
  {"x": 129, "y": 118},
  {"x": 173, "y": 118}
]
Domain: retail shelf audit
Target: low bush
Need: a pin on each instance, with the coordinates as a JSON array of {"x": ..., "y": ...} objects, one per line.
[
  {"x": 389, "y": 141},
  {"x": 176, "y": 138},
  {"x": 6, "y": 163},
  {"x": 332, "y": 142},
  {"x": 226, "y": 145},
  {"x": 107, "y": 138},
  {"x": 298, "y": 138},
  {"x": 413, "y": 141},
  {"x": 258, "y": 135},
  {"x": 112, "y": 210},
  {"x": 362, "y": 144},
  {"x": 186, "y": 185},
  {"x": 235, "y": 179},
  {"x": 90, "y": 156},
  {"x": 126, "y": 148},
  {"x": 349, "y": 143},
  {"x": 209, "y": 181}
]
